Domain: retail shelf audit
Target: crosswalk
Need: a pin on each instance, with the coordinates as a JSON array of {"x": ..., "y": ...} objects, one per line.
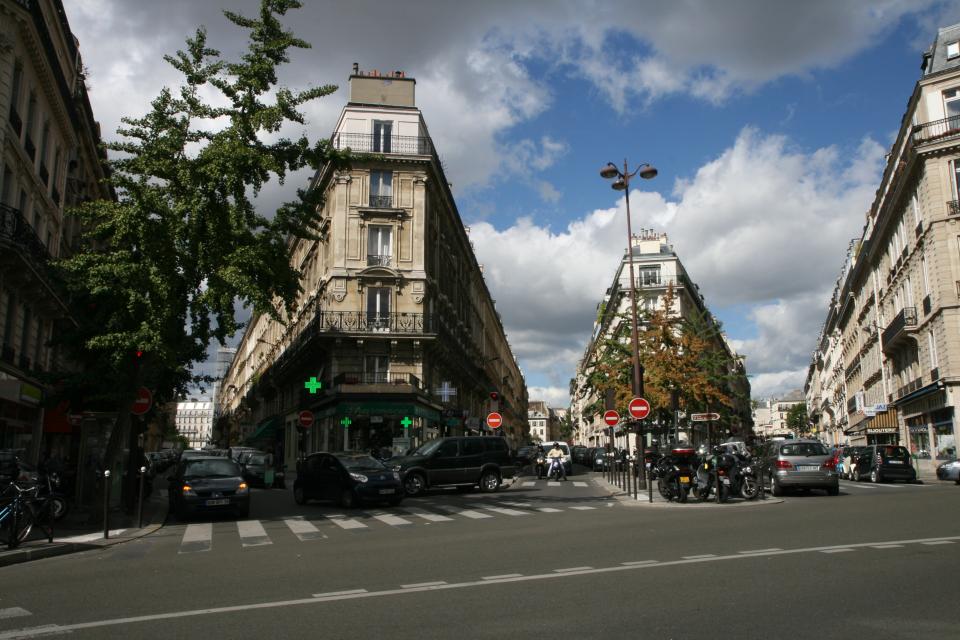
[
  {"x": 869, "y": 486},
  {"x": 198, "y": 537}
]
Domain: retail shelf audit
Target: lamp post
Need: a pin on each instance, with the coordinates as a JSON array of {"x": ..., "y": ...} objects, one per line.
[{"x": 622, "y": 183}]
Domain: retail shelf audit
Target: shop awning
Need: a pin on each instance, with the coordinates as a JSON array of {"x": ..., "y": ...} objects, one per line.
[
  {"x": 885, "y": 422},
  {"x": 265, "y": 430},
  {"x": 56, "y": 420}
]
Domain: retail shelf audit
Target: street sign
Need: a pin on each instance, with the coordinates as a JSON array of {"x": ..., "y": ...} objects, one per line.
[
  {"x": 143, "y": 402},
  {"x": 494, "y": 420},
  {"x": 704, "y": 417},
  {"x": 611, "y": 417},
  {"x": 306, "y": 419},
  {"x": 639, "y": 408}
]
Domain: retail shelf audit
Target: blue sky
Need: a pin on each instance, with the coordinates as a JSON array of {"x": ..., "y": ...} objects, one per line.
[{"x": 768, "y": 122}]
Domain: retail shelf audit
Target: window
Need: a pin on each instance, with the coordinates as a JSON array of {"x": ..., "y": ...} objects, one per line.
[
  {"x": 917, "y": 214},
  {"x": 926, "y": 275},
  {"x": 7, "y": 185},
  {"x": 447, "y": 449},
  {"x": 31, "y": 113},
  {"x": 956, "y": 172},
  {"x": 376, "y": 369},
  {"x": 472, "y": 447},
  {"x": 932, "y": 344},
  {"x": 953, "y": 50},
  {"x": 908, "y": 288},
  {"x": 379, "y": 249},
  {"x": 649, "y": 275},
  {"x": 381, "y": 189},
  {"x": 382, "y": 130},
  {"x": 378, "y": 307}
]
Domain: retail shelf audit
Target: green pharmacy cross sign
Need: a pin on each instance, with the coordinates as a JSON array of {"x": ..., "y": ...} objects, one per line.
[
  {"x": 406, "y": 422},
  {"x": 346, "y": 422},
  {"x": 313, "y": 385}
]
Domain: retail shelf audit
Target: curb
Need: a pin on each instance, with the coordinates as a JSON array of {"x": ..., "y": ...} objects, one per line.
[
  {"x": 47, "y": 550},
  {"x": 626, "y": 499}
]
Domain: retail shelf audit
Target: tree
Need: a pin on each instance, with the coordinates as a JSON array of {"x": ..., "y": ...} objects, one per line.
[
  {"x": 183, "y": 242},
  {"x": 797, "y": 418}
]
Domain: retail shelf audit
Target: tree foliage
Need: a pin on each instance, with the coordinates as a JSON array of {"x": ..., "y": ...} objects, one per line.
[{"x": 797, "y": 418}]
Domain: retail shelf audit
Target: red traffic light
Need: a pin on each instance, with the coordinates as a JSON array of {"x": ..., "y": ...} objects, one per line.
[
  {"x": 494, "y": 396},
  {"x": 139, "y": 353}
]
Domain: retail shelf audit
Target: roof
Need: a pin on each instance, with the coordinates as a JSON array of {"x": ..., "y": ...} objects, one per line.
[{"x": 935, "y": 58}]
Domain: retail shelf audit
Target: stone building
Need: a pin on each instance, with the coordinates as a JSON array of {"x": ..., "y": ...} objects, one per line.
[
  {"x": 770, "y": 417},
  {"x": 897, "y": 313},
  {"x": 194, "y": 421},
  {"x": 396, "y": 338},
  {"x": 657, "y": 267},
  {"x": 50, "y": 159}
]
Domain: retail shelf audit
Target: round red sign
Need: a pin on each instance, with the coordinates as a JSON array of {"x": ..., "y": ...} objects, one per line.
[
  {"x": 611, "y": 417},
  {"x": 494, "y": 420},
  {"x": 143, "y": 402},
  {"x": 305, "y": 418},
  {"x": 639, "y": 408}
]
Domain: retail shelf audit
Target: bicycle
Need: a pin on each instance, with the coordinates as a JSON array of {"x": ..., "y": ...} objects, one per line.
[{"x": 24, "y": 510}]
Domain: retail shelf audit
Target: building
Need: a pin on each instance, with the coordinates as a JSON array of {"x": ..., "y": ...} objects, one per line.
[
  {"x": 770, "y": 416},
  {"x": 194, "y": 421},
  {"x": 657, "y": 267},
  {"x": 538, "y": 420},
  {"x": 50, "y": 159},
  {"x": 396, "y": 338},
  {"x": 896, "y": 314}
]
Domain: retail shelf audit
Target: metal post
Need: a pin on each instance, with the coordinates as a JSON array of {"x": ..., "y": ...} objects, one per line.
[
  {"x": 636, "y": 478},
  {"x": 716, "y": 469},
  {"x": 760, "y": 487},
  {"x": 106, "y": 504},
  {"x": 143, "y": 472},
  {"x": 649, "y": 473}
]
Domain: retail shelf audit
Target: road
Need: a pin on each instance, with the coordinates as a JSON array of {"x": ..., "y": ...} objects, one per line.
[{"x": 876, "y": 561}]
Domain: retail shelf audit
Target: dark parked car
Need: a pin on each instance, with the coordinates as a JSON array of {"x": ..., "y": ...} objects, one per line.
[
  {"x": 208, "y": 484},
  {"x": 526, "y": 457},
  {"x": 598, "y": 459},
  {"x": 254, "y": 467},
  {"x": 579, "y": 454},
  {"x": 456, "y": 461},
  {"x": 881, "y": 462},
  {"x": 346, "y": 478}
]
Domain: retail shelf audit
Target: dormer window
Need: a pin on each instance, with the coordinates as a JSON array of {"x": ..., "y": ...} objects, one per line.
[{"x": 953, "y": 50}]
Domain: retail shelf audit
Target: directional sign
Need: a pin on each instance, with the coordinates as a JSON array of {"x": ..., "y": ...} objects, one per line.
[
  {"x": 611, "y": 417},
  {"x": 704, "y": 417},
  {"x": 639, "y": 408},
  {"x": 494, "y": 420},
  {"x": 143, "y": 402},
  {"x": 306, "y": 419}
]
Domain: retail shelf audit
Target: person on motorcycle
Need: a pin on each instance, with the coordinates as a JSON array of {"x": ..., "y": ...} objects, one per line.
[{"x": 555, "y": 456}]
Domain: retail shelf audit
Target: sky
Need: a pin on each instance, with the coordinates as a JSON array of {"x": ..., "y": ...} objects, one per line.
[{"x": 767, "y": 120}]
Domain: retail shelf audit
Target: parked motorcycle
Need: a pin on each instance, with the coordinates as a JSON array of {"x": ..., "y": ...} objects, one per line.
[
  {"x": 674, "y": 474},
  {"x": 50, "y": 490}
]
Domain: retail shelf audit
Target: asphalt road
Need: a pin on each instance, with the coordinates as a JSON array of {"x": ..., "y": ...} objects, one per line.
[{"x": 876, "y": 561}]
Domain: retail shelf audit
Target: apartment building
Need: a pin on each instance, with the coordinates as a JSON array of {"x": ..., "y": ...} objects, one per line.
[
  {"x": 657, "y": 267},
  {"x": 396, "y": 338},
  {"x": 896, "y": 316},
  {"x": 50, "y": 159},
  {"x": 194, "y": 421},
  {"x": 770, "y": 417}
]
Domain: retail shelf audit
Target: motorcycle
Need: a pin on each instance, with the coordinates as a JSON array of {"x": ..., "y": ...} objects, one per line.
[
  {"x": 541, "y": 464},
  {"x": 736, "y": 474},
  {"x": 674, "y": 475},
  {"x": 554, "y": 472},
  {"x": 49, "y": 490}
]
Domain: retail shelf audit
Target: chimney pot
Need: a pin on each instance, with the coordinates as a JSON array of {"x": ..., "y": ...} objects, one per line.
[{"x": 356, "y": 68}]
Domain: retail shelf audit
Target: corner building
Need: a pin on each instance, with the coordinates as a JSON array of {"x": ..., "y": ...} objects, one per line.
[{"x": 395, "y": 322}]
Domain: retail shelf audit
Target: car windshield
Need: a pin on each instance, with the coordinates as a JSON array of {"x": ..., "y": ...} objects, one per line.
[
  {"x": 803, "y": 449},
  {"x": 210, "y": 468},
  {"x": 427, "y": 448},
  {"x": 894, "y": 453},
  {"x": 257, "y": 458},
  {"x": 360, "y": 462}
]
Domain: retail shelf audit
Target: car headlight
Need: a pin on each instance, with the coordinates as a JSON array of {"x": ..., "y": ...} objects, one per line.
[
  {"x": 396, "y": 476},
  {"x": 359, "y": 477},
  {"x": 242, "y": 489},
  {"x": 188, "y": 490}
]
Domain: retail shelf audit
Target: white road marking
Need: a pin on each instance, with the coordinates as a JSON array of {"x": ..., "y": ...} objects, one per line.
[
  {"x": 426, "y": 515},
  {"x": 348, "y": 592},
  {"x": 90, "y": 537},
  {"x": 392, "y": 520},
  {"x": 112, "y": 622},
  {"x": 525, "y": 505},
  {"x": 252, "y": 533},
  {"x": 844, "y": 550},
  {"x": 303, "y": 530},
  {"x": 529, "y": 484},
  {"x": 938, "y": 542},
  {"x": 506, "y": 575},
  {"x": 549, "y": 510},
  {"x": 572, "y": 569},
  {"x": 553, "y": 483},
  {"x": 637, "y": 563},
  {"x": 583, "y": 508},
  {"x": 13, "y": 612},
  {"x": 506, "y": 512},
  {"x": 857, "y": 485},
  {"x": 579, "y": 484},
  {"x": 197, "y": 537},
  {"x": 887, "y": 546},
  {"x": 43, "y": 631},
  {"x": 343, "y": 522},
  {"x": 704, "y": 555},
  {"x": 762, "y": 550},
  {"x": 421, "y": 585},
  {"x": 466, "y": 513}
]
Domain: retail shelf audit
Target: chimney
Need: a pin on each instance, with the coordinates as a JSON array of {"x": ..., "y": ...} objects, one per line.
[{"x": 356, "y": 68}]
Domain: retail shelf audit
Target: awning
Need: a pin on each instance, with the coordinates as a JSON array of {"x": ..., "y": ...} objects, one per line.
[
  {"x": 379, "y": 408},
  {"x": 265, "y": 430},
  {"x": 885, "y": 422}
]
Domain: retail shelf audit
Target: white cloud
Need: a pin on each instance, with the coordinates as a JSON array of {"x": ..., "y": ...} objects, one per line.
[{"x": 555, "y": 397}]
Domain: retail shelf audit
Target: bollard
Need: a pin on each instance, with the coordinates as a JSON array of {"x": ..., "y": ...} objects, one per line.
[
  {"x": 716, "y": 468},
  {"x": 106, "y": 504},
  {"x": 143, "y": 472},
  {"x": 761, "y": 491},
  {"x": 649, "y": 472}
]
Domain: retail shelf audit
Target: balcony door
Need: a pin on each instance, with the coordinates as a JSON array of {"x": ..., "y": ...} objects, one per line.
[
  {"x": 381, "y": 189},
  {"x": 378, "y": 308},
  {"x": 379, "y": 246},
  {"x": 382, "y": 134},
  {"x": 376, "y": 369}
]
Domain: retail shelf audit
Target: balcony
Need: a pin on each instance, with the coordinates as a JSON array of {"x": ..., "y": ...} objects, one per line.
[
  {"x": 14, "y": 229},
  {"x": 936, "y": 131},
  {"x": 899, "y": 329},
  {"x": 909, "y": 387},
  {"x": 392, "y": 145},
  {"x": 380, "y": 202},
  {"x": 378, "y": 378},
  {"x": 379, "y": 261},
  {"x": 953, "y": 207},
  {"x": 362, "y": 322},
  {"x": 15, "y": 121}
]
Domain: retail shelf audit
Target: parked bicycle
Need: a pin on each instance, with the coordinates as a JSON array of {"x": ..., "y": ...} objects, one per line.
[{"x": 23, "y": 508}]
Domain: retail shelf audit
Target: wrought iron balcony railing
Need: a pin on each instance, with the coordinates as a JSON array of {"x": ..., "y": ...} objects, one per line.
[
  {"x": 898, "y": 328},
  {"x": 379, "y": 377},
  {"x": 910, "y": 387},
  {"x": 937, "y": 130},
  {"x": 379, "y": 261},
  {"x": 394, "y": 145},
  {"x": 362, "y": 322},
  {"x": 15, "y": 229},
  {"x": 380, "y": 202},
  {"x": 953, "y": 207}
]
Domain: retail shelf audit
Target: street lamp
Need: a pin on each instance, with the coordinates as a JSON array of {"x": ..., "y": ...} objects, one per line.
[{"x": 621, "y": 182}]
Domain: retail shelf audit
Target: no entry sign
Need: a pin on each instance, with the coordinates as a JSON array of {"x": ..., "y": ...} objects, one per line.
[
  {"x": 306, "y": 419},
  {"x": 143, "y": 402},
  {"x": 639, "y": 408},
  {"x": 611, "y": 417},
  {"x": 494, "y": 420}
]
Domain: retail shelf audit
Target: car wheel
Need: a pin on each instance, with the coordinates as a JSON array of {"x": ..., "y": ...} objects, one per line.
[
  {"x": 875, "y": 477},
  {"x": 299, "y": 496},
  {"x": 489, "y": 481},
  {"x": 775, "y": 489},
  {"x": 856, "y": 475},
  {"x": 347, "y": 499},
  {"x": 414, "y": 484}
]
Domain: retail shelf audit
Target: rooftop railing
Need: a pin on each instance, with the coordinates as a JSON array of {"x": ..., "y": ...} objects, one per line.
[{"x": 391, "y": 145}]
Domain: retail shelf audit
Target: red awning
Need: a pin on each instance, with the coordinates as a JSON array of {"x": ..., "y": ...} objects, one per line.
[{"x": 57, "y": 420}]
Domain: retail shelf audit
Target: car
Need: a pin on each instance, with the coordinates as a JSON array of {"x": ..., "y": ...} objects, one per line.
[
  {"x": 348, "y": 479},
  {"x": 526, "y": 457},
  {"x": 881, "y": 462},
  {"x": 254, "y": 467},
  {"x": 458, "y": 461},
  {"x": 579, "y": 454},
  {"x": 949, "y": 470},
  {"x": 799, "y": 464},
  {"x": 208, "y": 484},
  {"x": 598, "y": 459}
]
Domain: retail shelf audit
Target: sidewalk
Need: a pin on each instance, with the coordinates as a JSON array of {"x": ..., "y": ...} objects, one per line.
[
  {"x": 643, "y": 498},
  {"x": 83, "y": 530}
]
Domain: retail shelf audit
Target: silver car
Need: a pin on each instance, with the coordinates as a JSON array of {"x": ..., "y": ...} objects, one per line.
[
  {"x": 800, "y": 464},
  {"x": 949, "y": 471}
]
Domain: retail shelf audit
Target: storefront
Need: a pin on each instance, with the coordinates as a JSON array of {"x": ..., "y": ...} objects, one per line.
[
  {"x": 20, "y": 417},
  {"x": 883, "y": 428},
  {"x": 377, "y": 425},
  {"x": 929, "y": 421}
]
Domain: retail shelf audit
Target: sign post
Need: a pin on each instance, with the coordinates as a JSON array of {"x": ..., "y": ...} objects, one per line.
[
  {"x": 346, "y": 422},
  {"x": 639, "y": 409}
]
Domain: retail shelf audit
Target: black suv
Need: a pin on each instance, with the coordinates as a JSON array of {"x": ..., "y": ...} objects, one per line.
[
  {"x": 457, "y": 461},
  {"x": 882, "y": 462}
]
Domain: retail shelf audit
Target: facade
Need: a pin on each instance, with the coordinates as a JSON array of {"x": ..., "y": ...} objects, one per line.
[
  {"x": 395, "y": 339},
  {"x": 770, "y": 417},
  {"x": 538, "y": 419},
  {"x": 50, "y": 159},
  {"x": 657, "y": 267},
  {"x": 194, "y": 421},
  {"x": 897, "y": 313}
]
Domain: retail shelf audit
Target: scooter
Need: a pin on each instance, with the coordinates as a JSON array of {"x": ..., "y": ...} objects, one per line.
[
  {"x": 555, "y": 472},
  {"x": 674, "y": 475},
  {"x": 541, "y": 463}
]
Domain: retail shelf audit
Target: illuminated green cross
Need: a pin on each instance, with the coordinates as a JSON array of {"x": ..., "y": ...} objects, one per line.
[
  {"x": 346, "y": 422},
  {"x": 312, "y": 384},
  {"x": 406, "y": 422}
]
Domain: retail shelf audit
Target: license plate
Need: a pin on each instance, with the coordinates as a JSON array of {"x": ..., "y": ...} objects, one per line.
[
  {"x": 384, "y": 492},
  {"x": 217, "y": 503},
  {"x": 894, "y": 461},
  {"x": 684, "y": 480},
  {"x": 807, "y": 467}
]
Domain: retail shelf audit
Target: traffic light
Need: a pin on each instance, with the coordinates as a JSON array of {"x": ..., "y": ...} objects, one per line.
[{"x": 494, "y": 396}]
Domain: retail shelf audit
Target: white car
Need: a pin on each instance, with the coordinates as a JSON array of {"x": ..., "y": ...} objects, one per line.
[{"x": 567, "y": 458}]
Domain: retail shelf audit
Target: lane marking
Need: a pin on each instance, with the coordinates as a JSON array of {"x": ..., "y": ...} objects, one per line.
[
  {"x": 637, "y": 563},
  {"x": 528, "y": 484},
  {"x": 762, "y": 550},
  {"x": 344, "y": 522},
  {"x": 857, "y": 485},
  {"x": 506, "y": 575},
  {"x": 701, "y": 556},
  {"x": 423, "y": 585},
  {"x": 553, "y": 483},
  {"x": 303, "y": 530},
  {"x": 579, "y": 484},
  {"x": 937, "y": 542},
  {"x": 14, "y": 612},
  {"x": 523, "y": 505},
  {"x": 23, "y": 633},
  {"x": 549, "y": 510},
  {"x": 197, "y": 537},
  {"x": 507, "y": 512},
  {"x": 392, "y": 520},
  {"x": 426, "y": 515},
  {"x": 348, "y": 592},
  {"x": 887, "y": 546},
  {"x": 572, "y": 569},
  {"x": 466, "y": 513},
  {"x": 37, "y": 632},
  {"x": 844, "y": 550},
  {"x": 583, "y": 508},
  {"x": 252, "y": 533}
]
